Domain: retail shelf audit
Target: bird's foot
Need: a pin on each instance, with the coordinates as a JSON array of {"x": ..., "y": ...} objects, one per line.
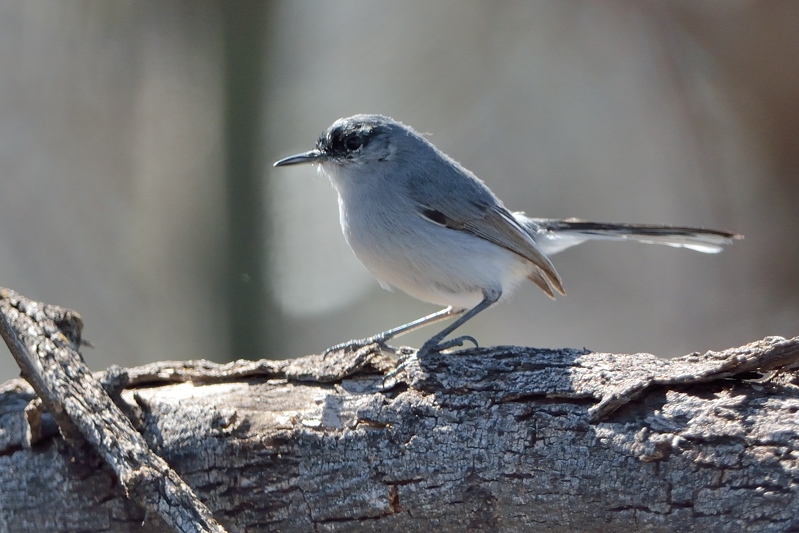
[
  {"x": 435, "y": 346},
  {"x": 390, "y": 379},
  {"x": 430, "y": 347},
  {"x": 354, "y": 345}
]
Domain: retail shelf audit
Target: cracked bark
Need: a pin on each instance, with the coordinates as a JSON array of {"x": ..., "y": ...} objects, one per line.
[
  {"x": 502, "y": 439},
  {"x": 44, "y": 340}
]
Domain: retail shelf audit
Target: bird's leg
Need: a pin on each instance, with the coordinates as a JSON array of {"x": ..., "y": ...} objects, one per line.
[
  {"x": 436, "y": 343},
  {"x": 382, "y": 338}
]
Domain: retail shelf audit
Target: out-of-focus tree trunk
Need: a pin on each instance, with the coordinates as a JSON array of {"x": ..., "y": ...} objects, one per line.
[{"x": 252, "y": 321}]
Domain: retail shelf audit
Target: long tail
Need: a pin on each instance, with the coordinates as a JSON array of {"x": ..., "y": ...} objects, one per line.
[{"x": 553, "y": 235}]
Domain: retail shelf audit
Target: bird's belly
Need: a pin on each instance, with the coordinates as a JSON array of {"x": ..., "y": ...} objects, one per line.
[{"x": 432, "y": 263}]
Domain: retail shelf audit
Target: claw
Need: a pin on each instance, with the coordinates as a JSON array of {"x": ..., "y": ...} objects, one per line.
[
  {"x": 457, "y": 341},
  {"x": 434, "y": 347},
  {"x": 354, "y": 345},
  {"x": 402, "y": 364},
  {"x": 428, "y": 347}
]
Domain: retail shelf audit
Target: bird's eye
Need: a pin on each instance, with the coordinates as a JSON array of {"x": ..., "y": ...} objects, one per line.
[{"x": 353, "y": 142}]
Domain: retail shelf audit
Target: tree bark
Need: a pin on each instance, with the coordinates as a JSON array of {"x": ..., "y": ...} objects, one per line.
[{"x": 488, "y": 439}]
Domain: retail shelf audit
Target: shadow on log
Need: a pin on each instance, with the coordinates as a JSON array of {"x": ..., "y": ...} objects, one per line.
[{"x": 490, "y": 439}]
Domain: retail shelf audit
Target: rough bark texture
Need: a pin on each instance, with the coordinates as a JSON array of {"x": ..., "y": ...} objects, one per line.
[
  {"x": 493, "y": 439},
  {"x": 44, "y": 340}
]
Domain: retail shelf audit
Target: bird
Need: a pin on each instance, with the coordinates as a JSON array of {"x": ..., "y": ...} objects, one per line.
[{"x": 422, "y": 223}]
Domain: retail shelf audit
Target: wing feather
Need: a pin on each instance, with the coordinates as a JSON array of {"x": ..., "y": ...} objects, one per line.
[
  {"x": 498, "y": 226},
  {"x": 455, "y": 198}
]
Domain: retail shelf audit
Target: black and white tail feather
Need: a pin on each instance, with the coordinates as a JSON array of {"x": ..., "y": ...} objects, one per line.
[{"x": 555, "y": 235}]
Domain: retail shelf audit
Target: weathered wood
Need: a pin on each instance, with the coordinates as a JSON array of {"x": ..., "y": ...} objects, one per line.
[
  {"x": 490, "y": 439},
  {"x": 44, "y": 340}
]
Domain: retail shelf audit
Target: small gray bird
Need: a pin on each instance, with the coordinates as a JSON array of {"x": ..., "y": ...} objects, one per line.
[{"x": 422, "y": 223}]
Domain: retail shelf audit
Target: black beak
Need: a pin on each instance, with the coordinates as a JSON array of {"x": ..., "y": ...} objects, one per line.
[{"x": 307, "y": 157}]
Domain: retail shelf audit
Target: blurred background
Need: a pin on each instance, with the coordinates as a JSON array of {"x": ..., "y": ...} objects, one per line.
[{"x": 136, "y": 142}]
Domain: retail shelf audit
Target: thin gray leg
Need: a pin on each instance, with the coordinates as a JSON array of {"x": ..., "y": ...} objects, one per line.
[
  {"x": 385, "y": 336},
  {"x": 437, "y": 343}
]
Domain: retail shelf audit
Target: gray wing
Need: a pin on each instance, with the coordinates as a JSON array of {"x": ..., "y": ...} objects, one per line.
[{"x": 461, "y": 202}]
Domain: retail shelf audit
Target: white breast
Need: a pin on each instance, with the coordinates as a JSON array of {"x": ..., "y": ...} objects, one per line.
[{"x": 427, "y": 261}]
